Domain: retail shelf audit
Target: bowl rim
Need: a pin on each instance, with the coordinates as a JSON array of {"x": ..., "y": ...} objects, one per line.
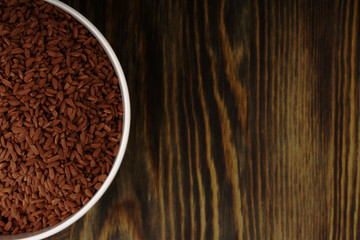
[{"x": 49, "y": 231}]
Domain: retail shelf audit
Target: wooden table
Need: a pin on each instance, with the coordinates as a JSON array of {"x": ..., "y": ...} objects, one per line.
[{"x": 245, "y": 120}]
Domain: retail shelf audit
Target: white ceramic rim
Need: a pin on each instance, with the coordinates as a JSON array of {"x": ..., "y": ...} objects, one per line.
[{"x": 49, "y": 231}]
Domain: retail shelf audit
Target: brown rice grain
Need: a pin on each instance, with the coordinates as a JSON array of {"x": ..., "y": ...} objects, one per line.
[{"x": 59, "y": 140}]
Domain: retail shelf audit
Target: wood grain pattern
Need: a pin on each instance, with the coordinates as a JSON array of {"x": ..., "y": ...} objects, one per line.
[{"x": 245, "y": 120}]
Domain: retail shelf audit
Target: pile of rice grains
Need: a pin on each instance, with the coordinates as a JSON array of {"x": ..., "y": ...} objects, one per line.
[{"x": 60, "y": 115}]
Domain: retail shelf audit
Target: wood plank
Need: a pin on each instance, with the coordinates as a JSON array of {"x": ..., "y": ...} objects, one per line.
[{"x": 245, "y": 120}]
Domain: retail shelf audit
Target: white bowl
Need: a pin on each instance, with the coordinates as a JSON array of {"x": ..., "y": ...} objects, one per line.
[{"x": 49, "y": 231}]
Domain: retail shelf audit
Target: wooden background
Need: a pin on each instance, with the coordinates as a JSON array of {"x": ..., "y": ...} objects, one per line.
[{"x": 245, "y": 120}]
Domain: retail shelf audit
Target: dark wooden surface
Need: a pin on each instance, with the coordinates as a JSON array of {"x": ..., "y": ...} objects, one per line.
[{"x": 245, "y": 120}]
